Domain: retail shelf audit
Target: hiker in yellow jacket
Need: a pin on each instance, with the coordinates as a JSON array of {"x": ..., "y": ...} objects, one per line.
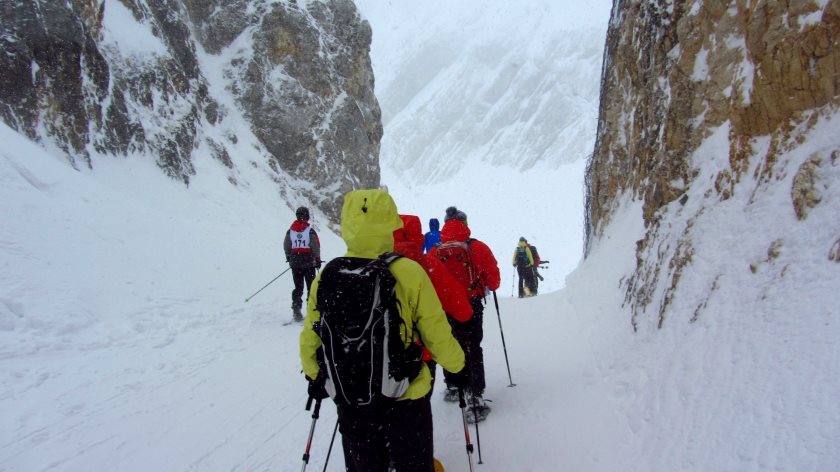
[
  {"x": 523, "y": 260},
  {"x": 397, "y": 431}
]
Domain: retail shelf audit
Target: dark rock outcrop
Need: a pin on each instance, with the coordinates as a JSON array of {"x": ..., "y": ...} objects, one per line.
[{"x": 300, "y": 74}]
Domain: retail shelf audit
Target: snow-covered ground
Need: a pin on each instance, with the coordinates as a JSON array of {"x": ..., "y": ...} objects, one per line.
[{"x": 127, "y": 346}]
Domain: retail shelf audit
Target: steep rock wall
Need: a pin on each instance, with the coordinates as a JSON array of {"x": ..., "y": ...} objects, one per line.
[{"x": 677, "y": 72}]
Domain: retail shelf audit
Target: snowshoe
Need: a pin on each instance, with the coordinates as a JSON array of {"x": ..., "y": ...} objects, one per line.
[
  {"x": 450, "y": 394},
  {"x": 477, "y": 410}
]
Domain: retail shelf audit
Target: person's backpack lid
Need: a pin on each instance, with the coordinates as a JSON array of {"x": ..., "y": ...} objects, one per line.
[{"x": 457, "y": 258}]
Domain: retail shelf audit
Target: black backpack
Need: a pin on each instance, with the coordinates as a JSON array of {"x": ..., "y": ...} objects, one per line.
[
  {"x": 522, "y": 257},
  {"x": 363, "y": 351}
]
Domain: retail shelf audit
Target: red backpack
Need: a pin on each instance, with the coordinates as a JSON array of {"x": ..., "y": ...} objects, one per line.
[{"x": 457, "y": 258}]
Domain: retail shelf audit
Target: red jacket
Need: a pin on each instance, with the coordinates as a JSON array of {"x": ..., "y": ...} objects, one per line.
[
  {"x": 482, "y": 257},
  {"x": 408, "y": 241}
]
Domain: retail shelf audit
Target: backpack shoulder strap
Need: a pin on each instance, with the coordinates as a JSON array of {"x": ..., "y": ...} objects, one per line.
[{"x": 389, "y": 257}]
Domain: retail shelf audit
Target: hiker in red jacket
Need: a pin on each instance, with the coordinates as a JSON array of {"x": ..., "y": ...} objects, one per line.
[
  {"x": 408, "y": 242},
  {"x": 472, "y": 263}
]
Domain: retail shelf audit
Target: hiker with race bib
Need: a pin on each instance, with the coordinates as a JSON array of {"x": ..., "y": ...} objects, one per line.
[
  {"x": 359, "y": 343},
  {"x": 472, "y": 264},
  {"x": 303, "y": 253}
]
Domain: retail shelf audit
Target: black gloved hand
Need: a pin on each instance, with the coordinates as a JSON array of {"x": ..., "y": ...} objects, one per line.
[
  {"x": 316, "y": 389},
  {"x": 459, "y": 379}
]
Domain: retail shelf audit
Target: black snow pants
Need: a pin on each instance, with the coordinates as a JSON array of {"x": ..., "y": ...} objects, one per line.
[
  {"x": 301, "y": 275},
  {"x": 400, "y": 432},
  {"x": 469, "y": 335}
]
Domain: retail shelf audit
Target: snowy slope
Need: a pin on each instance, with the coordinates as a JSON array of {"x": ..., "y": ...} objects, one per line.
[
  {"x": 127, "y": 347},
  {"x": 508, "y": 84},
  {"x": 122, "y": 294},
  {"x": 485, "y": 101}
]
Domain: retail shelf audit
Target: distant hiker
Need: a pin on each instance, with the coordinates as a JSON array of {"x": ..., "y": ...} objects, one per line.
[
  {"x": 526, "y": 264},
  {"x": 378, "y": 382},
  {"x": 303, "y": 253},
  {"x": 432, "y": 237},
  {"x": 408, "y": 242},
  {"x": 472, "y": 263}
]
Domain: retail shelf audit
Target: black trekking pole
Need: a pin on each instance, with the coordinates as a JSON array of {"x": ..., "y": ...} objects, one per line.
[
  {"x": 496, "y": 301},
  {"x": 266, "y": 285},
  {"x": 327, "y": 460},
  {"x": 311, "y": 429},
  {"x": 477, "y": 436},
  {"x": 463, "y": 405},
  {"x": 474, "y": 406}
]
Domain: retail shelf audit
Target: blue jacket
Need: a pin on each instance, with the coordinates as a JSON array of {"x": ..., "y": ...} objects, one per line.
[{"x": 433, "y": 236}]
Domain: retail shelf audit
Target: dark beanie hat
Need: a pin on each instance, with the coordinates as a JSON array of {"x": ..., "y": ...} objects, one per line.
[
  {"x": 302, "y": 213},
  {"x": 453, "y": 213}
]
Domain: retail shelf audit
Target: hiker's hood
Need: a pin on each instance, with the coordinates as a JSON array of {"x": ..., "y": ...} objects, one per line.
[
  {"x": 434, "y": 224},
  {"x": 368, "y": 221},
  {"x": 299, "y": 225},
  {"x": 409, "y": 239},
  {"x": 522, "y": 244},
  {"x": 454, "y": 230}
]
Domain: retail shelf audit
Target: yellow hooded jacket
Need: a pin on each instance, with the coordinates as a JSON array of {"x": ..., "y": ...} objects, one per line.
[
  {"x": 527, "y": 251},
  {"x": 368, "y": 221}
]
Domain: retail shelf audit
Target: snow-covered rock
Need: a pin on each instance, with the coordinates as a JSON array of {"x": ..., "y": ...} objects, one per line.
[
  {"x": 722, "y": 118},
  {"x": 94, "y": 78}
]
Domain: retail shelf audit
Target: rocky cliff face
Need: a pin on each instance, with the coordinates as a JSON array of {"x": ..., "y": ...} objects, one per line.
[
  {"x": 159, "y": 77},
  {"x": 677, "y": 74}
]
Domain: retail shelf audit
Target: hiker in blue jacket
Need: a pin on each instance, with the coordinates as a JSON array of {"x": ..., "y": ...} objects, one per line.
[{"x": 433, "y": 236}]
